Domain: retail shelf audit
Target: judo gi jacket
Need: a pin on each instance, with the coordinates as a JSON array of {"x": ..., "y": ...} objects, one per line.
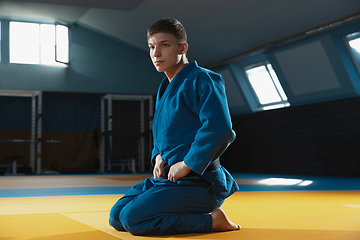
[{"x": 192, "y": 124}]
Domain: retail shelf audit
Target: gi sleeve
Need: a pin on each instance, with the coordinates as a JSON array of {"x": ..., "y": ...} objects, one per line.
[{"x": 215, "y": 133}]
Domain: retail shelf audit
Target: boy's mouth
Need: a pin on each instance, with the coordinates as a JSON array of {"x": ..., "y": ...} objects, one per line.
[{"x": 158, "y": 62}]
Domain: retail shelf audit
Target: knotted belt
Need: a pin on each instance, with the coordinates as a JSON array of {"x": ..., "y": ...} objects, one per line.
[{"x": 196, "y": 178}]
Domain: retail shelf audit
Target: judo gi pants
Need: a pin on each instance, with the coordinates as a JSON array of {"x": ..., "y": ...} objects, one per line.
[{"x": 161, "y": 207}]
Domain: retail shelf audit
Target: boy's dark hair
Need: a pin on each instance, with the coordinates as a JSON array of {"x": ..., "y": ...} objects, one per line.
[{"x": 171, "y": 26}]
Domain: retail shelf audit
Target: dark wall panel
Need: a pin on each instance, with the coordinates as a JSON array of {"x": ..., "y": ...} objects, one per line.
[{"x": 315, "y": 139}]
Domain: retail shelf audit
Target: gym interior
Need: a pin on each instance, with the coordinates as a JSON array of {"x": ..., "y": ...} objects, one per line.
[{"x": 77, "y": 98}]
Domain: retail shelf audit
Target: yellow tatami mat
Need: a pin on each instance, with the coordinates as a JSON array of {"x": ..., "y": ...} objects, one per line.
[{"x": 317, "y": 215}]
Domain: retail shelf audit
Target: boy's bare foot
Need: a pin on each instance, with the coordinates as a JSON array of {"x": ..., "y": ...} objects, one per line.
[{"x": 221, "y": 223}]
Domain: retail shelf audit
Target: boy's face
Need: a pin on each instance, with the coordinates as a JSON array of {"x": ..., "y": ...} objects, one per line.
[{"x": 165, "y": 52}]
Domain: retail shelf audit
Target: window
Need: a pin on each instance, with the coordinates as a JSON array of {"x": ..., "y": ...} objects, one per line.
[
  {"x": 266, "y": 86},
  {"x": 32, "y": 43},
  {"x": 61, "y": 44},
  {"x": 353, "y": 41}
]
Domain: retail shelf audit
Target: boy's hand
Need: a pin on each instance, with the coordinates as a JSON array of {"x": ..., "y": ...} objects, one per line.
[
  {"x": 158, "y": 170},
  {"x": 178, "y": 170}
]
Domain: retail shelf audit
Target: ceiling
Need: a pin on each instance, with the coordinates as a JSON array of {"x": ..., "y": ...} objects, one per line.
[{"x": 217, "y": 30}]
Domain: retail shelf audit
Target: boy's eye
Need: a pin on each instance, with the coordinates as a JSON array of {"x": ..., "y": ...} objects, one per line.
[{"x": 165, "y": 45}]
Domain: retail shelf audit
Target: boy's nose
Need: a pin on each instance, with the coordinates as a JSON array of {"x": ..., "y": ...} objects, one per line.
[{"x": 157, "y": 52}]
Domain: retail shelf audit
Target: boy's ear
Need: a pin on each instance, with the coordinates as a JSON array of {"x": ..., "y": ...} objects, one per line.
[{"x": 184, "y": 48}]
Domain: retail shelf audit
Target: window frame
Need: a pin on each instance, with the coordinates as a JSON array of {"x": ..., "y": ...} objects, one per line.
[
  {"x": 347, "y": 38},
  {"x": 56, "y": 45},
  {"x": 55, "y": 63},
  {"x": 272, "y": 105}
]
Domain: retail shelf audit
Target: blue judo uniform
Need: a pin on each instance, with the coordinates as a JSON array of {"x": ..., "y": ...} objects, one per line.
[{"x": 191, "y": 124}]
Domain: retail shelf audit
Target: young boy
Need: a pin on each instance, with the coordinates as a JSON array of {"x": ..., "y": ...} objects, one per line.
[{"x": 191, "y": 129}]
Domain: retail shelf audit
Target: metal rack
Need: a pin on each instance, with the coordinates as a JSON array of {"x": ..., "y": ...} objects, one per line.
[
  {"x": 36, "y": 125},
  {"x": 141, "y": 148}
]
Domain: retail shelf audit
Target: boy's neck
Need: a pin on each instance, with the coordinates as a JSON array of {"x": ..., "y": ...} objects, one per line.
[{"x": 171, "y": 73}]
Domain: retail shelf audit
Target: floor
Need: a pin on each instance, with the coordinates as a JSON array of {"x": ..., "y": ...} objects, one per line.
[{"x": 267, "y": 207}]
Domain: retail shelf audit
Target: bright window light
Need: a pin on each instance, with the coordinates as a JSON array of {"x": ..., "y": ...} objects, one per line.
[
  {"x": 355, "y": 44},
  {"x": 62, "y": 44},
  {"x": 281, "y": 105},
  {"x": 32, "y": 43},
  {"x": 276, "y": 82},
  {"x": 280, "y": 181},
  {"x": 285, "y": 182},
  {"x": 353, "y": 41},
  {"x": 305, "y": 183},
  {"x": 24, "y": 43},
  {"x": 47, "y": 44},
  {"x": 267, "y": 87}
]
